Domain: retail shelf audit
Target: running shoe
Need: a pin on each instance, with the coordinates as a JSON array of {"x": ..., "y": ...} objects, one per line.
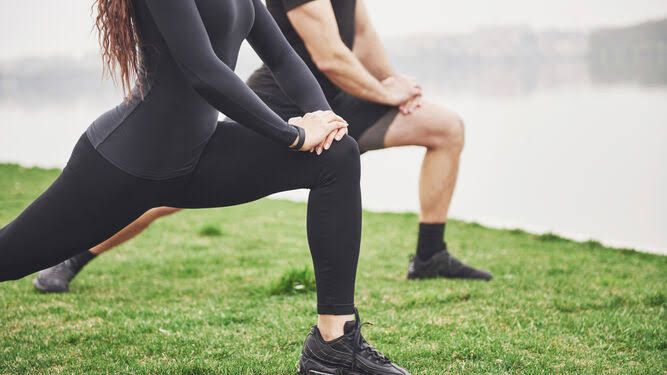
[
  {"x": 443, "y": 264},
  {"x": 349, "y": 354},
  {"x": 57, "y": 278}
]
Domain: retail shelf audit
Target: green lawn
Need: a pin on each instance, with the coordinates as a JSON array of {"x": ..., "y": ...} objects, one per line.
[{"x": 211, "y": 292}]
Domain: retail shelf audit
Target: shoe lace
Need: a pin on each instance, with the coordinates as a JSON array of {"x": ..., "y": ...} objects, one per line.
[{"x": 362, "y": 346}]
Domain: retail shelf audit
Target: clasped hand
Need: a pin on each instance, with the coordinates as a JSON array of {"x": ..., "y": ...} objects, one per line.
[
  {"x": 404, "y": 92},
  {"x": 321, "y": 128}
]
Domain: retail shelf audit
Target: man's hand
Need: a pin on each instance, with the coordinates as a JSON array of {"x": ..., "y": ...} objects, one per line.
[
  {"x": 413, "y": 103},
  {"x": 401, "y": 90}
]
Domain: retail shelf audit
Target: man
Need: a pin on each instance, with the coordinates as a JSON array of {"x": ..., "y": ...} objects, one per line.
[{"x": 384, "y": 109}]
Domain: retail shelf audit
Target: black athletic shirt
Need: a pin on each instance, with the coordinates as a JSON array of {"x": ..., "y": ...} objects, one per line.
[
  {"x": 344, "y": 11},
  {"x": 189, "y": 49}
]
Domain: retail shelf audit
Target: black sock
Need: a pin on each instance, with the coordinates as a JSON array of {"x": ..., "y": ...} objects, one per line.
[
  {"x": 82, "y": 259},
  {"x": 430, "y": 240}
]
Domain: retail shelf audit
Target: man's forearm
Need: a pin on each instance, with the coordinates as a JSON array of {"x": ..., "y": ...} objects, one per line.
[
  {"x": 371, "y": 53},
  {"x": 315, "y": 22},
  {"x": 346, "y": 71}
]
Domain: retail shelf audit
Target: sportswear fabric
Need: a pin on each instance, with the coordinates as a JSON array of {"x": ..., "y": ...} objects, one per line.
[
  {"x": 367, "y": 122},
  {"x": 344, "y": 11},
  {"x": 361, "y": 115},
  {"x": 188, "y": 52},
  {"x": 373, "y": 138},
  {"x": 430, "y": 239},
  {"x": 92, "y": 200},
  {"x": 166, "y": 149}
]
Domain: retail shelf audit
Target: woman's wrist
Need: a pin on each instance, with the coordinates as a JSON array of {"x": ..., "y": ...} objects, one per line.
[{"x": 300, "y": 138}]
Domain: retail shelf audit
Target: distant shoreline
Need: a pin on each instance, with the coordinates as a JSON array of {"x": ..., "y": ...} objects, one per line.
[{"x": 14, "y": 168}]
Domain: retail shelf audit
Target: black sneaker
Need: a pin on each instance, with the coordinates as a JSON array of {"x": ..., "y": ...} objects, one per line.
[
  {"x": 442, "y": 264},
  {"x": 57, "y": 278},
  {"x": 349, "y": 354}
]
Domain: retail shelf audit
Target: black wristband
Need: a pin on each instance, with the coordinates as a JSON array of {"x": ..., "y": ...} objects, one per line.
[{"x": 302, "y": 138}]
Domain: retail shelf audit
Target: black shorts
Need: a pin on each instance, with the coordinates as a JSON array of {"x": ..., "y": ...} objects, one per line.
[{"x": 368, "y": 121}]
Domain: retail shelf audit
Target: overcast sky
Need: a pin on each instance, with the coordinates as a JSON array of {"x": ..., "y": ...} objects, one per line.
[{"x": 63, "y": 27}]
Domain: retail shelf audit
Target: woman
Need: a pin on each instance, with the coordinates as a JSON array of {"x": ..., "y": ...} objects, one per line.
[{"x": 162, "y": 147}]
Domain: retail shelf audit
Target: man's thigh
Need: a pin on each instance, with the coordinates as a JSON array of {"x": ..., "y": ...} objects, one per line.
[
  {"x": 266, "y": 88},
  {"x": 368, "y": 122},
  {"x": 376, "y": 126},
  {"x": 429, "y": 126}
]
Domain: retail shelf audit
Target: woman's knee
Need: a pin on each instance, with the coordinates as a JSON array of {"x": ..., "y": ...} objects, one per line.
[
  {"x": 342, "y": 159},
  {"x": 343, "y": 154}
]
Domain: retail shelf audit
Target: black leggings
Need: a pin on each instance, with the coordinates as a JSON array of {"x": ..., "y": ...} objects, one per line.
[{"x": 92, "y": 200}]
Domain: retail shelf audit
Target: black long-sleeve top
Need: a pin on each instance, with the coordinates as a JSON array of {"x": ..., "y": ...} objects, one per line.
[{"x": 188, "y": 50}]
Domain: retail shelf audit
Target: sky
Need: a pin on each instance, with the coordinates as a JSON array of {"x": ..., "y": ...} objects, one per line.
[{"x": 63, "y": 27}]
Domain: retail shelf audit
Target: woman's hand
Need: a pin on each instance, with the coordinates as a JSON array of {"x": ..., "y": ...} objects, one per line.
[{"x": 321, "y": 128}]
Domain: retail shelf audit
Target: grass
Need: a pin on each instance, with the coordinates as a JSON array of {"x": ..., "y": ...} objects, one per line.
[
  {"x": 295, "y": 281},
  {"x": 182, "y": 299},
  {"x": 210, "y": 230}
]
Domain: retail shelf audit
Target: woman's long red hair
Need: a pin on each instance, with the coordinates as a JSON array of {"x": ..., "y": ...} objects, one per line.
[{"x": 119, "y": 41}]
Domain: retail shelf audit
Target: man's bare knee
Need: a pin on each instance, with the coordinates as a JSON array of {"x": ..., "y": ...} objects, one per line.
[
  {"x": 446, "y": 131},
  {"x": 455, "y": 133}
]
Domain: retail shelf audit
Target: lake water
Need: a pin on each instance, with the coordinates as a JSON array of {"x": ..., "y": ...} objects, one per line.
[{"x": 582, "y": 159}]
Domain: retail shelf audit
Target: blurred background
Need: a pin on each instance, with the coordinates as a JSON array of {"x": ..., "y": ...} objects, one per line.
[{"x": 565, "y": 105}]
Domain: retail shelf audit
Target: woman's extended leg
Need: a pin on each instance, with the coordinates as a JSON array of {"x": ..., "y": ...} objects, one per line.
[
  {"x": 239, "y": 166},
  {"x": 90, "y": 201}
]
